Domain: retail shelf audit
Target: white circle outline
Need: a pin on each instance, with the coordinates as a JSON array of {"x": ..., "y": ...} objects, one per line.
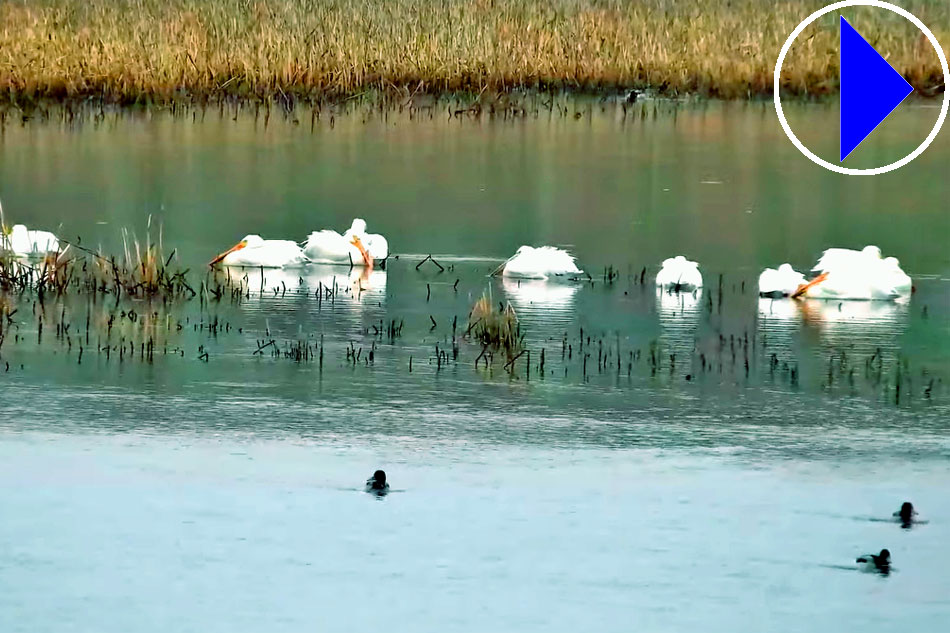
[{"x": 849, "y": 170}]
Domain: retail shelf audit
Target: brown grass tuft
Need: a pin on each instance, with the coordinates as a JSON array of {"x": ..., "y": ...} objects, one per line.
[{"x": 495, "y": 328}]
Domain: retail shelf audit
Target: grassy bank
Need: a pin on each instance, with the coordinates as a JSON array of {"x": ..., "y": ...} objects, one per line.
[{"x": 153, "y": 51}]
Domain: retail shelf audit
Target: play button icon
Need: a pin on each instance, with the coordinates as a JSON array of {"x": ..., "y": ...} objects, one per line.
[{"x": 870, "y": 89}]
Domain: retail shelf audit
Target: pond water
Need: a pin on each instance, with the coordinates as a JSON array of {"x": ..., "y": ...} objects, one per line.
[{"x": 678, "y": 462}]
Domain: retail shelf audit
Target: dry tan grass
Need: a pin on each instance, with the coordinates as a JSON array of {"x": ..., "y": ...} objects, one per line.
[
  {"x": 130, "y": 51},
  {"x": 495, "y": 328}
]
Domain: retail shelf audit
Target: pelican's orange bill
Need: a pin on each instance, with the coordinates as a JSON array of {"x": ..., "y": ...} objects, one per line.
[
  {"x": 236, "y": 247},
  {"x": 367, "y": 258},
  {"x": 802, "y": 289}
]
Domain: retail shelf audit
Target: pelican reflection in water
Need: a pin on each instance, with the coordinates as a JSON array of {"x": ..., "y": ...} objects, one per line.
[
  {"x": 361, "y": 283},
  {"x": 528, "y": 295},
  {"x": 859, "y": 327},
  {"x": 679, "y": 315}
]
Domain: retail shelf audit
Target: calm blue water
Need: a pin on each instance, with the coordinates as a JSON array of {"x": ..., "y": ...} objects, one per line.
[
  {"x": 234, "y": 533},
  {"x": 727, "y": 487}
]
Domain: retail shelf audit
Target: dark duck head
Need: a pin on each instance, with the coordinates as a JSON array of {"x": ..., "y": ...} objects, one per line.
[
  {"x": 906, "y": 513},
  {"x": 377, "y": 483}
]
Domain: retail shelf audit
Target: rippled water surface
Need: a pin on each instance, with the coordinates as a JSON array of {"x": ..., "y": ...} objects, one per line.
[{"x": 708, "y": 461}]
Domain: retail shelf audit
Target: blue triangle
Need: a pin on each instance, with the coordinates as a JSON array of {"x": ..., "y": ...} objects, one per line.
[{"x": 870, "y": 89}]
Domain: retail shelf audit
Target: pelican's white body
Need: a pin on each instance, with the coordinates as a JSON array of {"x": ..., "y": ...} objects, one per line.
[
  {"x": 23, "y": 242},
  {"x": 781, "y": 282},
  {"x": 261, "y": 253},
  {"x": 329, "y": 247},
  {"x": 543, "y": 262},
  {"x": 860, "y": 275},
  {"x": 679, "y": 272}
]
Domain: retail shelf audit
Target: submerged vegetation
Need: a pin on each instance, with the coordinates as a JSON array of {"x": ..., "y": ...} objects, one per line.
[{"x": 155, "y": 52}]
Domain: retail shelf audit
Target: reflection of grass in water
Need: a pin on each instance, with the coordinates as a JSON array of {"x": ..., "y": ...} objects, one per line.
[
  {"x": 286, "y": 49},
  {"x": 125, "y": 297},
  {"x": 126, "y": 330}
]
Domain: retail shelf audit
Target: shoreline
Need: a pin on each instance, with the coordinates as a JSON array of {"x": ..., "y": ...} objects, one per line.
[
  {"x": 395, "y": 96},
  {"x": 310, "y": 115},
  {"x": 451, "y": 107}
]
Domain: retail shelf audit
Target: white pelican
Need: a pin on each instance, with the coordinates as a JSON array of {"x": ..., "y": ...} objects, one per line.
[
  {"x": 678, "y": 273},
  {"x": 780, "y": 283},
  {"x": 543, "y": 262},
  {"x": 861, "y": 275},
  {"x": 356, "y": 247},
  {"x": 23, "y": 242},
  {"x": 254, "y": 251}
]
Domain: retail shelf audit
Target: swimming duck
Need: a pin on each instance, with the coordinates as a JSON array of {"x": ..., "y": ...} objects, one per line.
[
  {"x": 780, "y": 283},
  {"x": 377, "y": 483},
  {"x": 679, "y": 274},
  {"x": 256, "y": 252},
  {"x": 880, "y": 563},
  {"x": 906, "y": 514},
  {"x": 542, "y": 262}
]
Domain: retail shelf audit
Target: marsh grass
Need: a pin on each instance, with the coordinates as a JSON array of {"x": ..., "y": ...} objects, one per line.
[
  {"x": 142, "y": 271},
  {"x": 156, "y": 52},
  {"x": 495, "y": 328}
]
